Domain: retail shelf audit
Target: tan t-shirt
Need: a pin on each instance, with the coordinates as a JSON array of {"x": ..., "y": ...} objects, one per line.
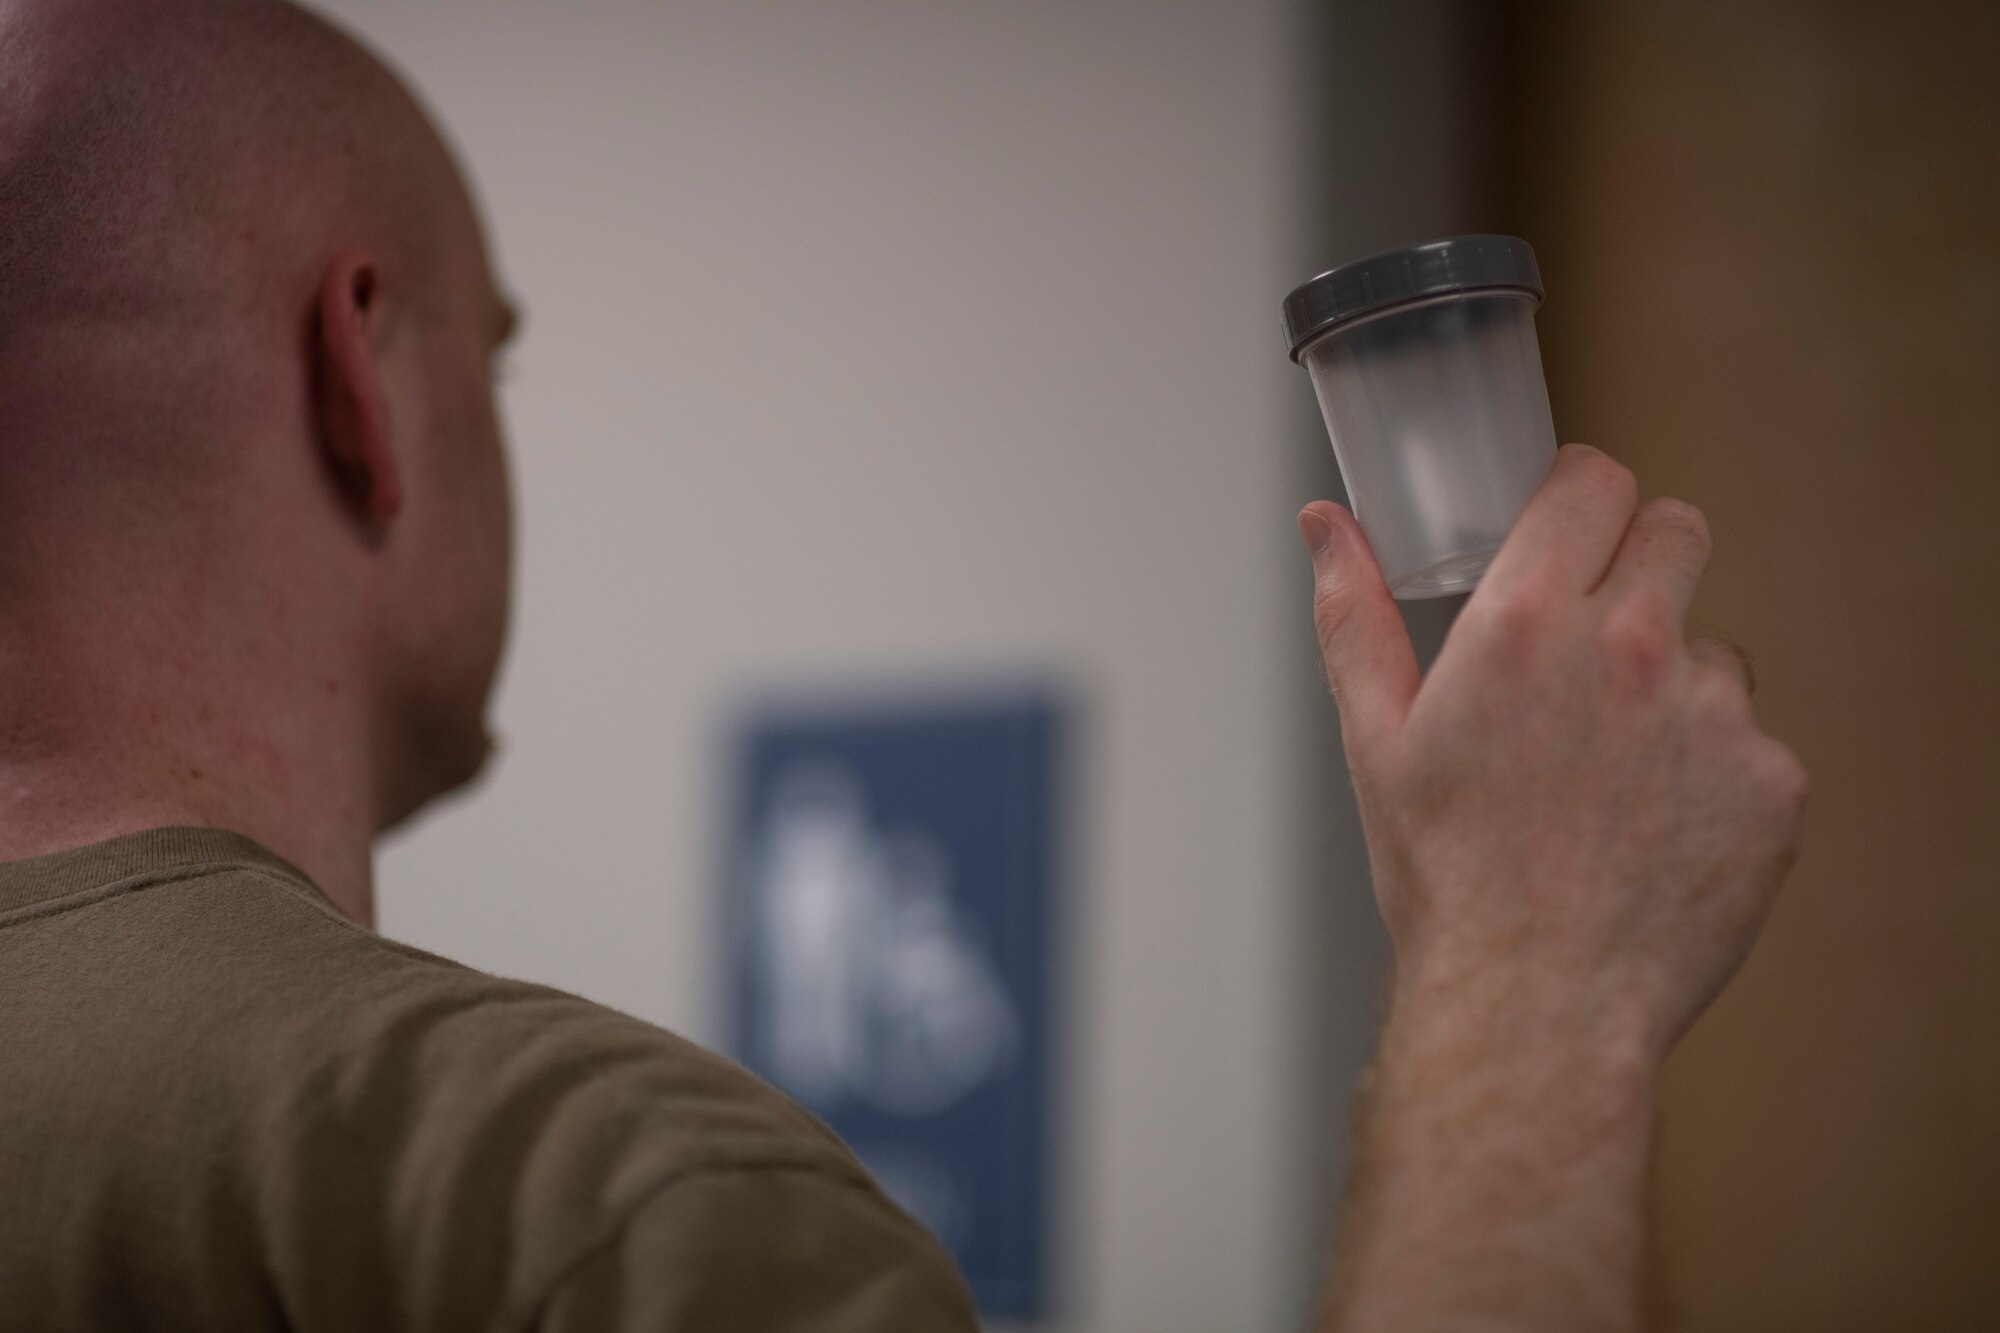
[{"x": 225, "y": 1106}]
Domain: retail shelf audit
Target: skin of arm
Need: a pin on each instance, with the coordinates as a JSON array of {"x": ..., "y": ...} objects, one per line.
[{"x": 1576, "y": 831}]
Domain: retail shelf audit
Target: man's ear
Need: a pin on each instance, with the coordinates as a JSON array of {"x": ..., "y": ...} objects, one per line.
[{"x": 353, "y": 401}]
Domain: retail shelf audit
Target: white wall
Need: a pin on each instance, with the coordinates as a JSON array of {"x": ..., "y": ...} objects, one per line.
[{"x": 874, "y": 339}]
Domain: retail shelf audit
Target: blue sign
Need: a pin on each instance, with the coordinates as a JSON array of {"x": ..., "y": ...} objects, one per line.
[{"x": 890, "y": 904}]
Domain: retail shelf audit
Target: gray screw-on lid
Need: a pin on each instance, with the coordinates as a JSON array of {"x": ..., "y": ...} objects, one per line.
[{"x": 1455, "y": 264}]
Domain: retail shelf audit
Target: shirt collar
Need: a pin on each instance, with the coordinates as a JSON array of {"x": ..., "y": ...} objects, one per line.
[{"x": 136, "y": 859}]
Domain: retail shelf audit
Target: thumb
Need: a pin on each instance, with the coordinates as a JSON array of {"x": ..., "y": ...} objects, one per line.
[{"x": 1369, "y": 661}]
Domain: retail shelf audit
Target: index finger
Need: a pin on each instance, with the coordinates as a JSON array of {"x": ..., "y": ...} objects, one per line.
[
  {"x": 1572, "y": 526},
  {"x": 1666, "y": 549}
]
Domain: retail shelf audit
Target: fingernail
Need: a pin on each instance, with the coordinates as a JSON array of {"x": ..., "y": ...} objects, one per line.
[{"x": 1316, "y": 530}]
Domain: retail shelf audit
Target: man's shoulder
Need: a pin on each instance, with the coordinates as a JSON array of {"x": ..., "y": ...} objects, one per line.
[
  {"x": 367, "y": 1129},
  {"x": 391, "y": 1137},
  {"x": 518, "y": 1129},
  {"x": 504, "y": 1048},
  {"x": 280, "y": 997},
  {"x": 415, "y": 1036},
  {"x": 631, "y": 1178}
]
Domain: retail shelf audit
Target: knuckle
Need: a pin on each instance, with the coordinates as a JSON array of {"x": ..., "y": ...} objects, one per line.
[
  {"x": 1609, "y": 478},
  {"x": 1515, "y": 625},
  {"x": 1638, "y": 642},
  {"x": 1688, "y": 524},
  {"x": 1331, "y": 609},
  {"x": 1719, "y": 697},
  {"x": 1782, "y": 776},
  {"x": 1332, "y": 612}
]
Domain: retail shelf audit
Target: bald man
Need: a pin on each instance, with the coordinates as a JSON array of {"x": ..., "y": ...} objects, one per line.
[{"x": 253, "y": 587}]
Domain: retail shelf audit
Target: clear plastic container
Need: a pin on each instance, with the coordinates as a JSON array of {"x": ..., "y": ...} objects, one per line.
[{"x": 1430, "y": 380}]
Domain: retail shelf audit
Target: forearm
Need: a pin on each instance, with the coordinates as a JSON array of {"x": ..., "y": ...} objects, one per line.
[
  {"x": 1576, "y": 830},
  {"x": 1501, "y": 1183}
]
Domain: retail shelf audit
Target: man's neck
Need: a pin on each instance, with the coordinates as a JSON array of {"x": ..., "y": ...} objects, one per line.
[{"x": 90, "y": 751}]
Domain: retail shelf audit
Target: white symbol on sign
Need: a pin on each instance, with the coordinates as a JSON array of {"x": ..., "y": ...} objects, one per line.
[{"x": 879, "y": 987}]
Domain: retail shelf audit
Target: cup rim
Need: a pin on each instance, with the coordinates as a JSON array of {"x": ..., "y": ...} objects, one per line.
[{"x": 1454, "y": 266}]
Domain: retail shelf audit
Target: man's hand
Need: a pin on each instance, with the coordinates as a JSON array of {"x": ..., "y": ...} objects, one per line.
[
  {"x": 1574, "y": 797},
  {"x": 1576, "y": 831}
]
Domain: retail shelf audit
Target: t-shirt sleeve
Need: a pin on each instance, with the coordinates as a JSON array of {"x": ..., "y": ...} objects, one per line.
[{"x": 775, "y": 1250}]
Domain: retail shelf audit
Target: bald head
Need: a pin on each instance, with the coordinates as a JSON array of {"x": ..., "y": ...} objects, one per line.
[
  {"x": 159, "y": 154},
  {"x": 246, "y": 316}
]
